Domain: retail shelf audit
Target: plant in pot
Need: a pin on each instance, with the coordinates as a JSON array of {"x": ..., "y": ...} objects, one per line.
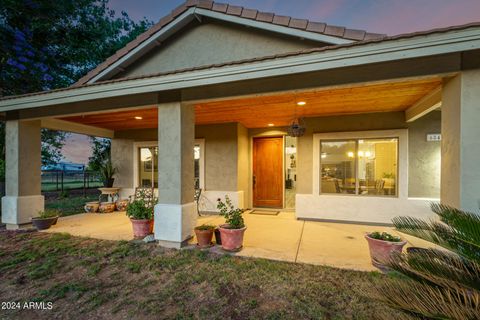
[
  {"x": 107, "y": 171},
  {"x": 141, "y": 216},
  {"x": 382, "y": 246},
  {"x": 45, "y": 219},
  {"x": 204, "y": 234},
  {"x": 232, "y": 231}
]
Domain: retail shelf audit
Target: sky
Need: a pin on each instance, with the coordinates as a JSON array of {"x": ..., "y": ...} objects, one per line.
[{"x": 381, "y": 16}]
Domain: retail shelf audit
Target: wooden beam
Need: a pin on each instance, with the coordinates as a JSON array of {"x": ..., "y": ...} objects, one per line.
[
  {"x": 62, "y": 125},
  {"x": 428, "y": 103}
]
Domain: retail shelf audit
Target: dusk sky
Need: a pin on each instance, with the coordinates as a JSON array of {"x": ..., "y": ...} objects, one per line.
[{"x": 382, "y": 16}]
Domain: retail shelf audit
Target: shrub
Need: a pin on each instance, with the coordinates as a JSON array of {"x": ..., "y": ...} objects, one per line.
[
  {"x": 205, "y": 227},
  {"x": 139, "y": 210},
  {"x": 233, "y": 216},
  {"x": 438, "y": 284},
  {"x": 384, "y": 236},
  {"x": 48, "y": 213}
]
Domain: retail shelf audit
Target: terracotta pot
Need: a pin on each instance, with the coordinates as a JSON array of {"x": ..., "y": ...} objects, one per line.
[
  {"x": 106, "y": 207},
  {"x": 43, "y": 223},
  {"x": 232, "y": 239},
  {"x": 91, "y": 207},
  {"x": 204, "y": 237},
  {"x": 142, "y": 227},
  {"x": 380, "y": 250},
  {"x": 121, "y": 205}
]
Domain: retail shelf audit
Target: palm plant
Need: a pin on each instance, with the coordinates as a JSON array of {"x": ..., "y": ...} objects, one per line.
[
  {"x": 437, "y": 283},
  {"x": 107, "y": 171}
]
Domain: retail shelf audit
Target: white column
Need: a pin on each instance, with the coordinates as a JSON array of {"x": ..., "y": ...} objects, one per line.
[
  {"x": 175, "y": 215},
  {"x": 23, "y": 198},
  {"x": 460, "y": 172}
]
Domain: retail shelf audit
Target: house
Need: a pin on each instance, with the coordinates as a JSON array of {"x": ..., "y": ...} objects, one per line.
[{"x": 381, "y": 125}]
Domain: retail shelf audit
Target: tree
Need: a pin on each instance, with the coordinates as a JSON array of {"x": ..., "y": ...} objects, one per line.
[
  {"x": 47, "y": 44},
  {"x": 438, "y": 284},
  {"x": 100, "y": 153}
]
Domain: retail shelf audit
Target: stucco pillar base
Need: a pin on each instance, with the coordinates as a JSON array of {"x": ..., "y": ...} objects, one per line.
[
  {"x": 174, "y": 224},
  {"x": 18, "y": 210}
]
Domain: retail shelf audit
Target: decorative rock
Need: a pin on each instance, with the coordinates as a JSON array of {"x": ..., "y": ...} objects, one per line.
[{"x": 149, "y": 238}]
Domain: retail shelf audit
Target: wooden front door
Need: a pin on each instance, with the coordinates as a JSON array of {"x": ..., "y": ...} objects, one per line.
[{"x": 268, "y": 172}]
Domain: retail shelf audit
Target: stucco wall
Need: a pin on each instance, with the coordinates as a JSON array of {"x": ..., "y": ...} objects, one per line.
[
  {"x": 424, "y": 157},
  {"x": 243, "y": 162},
  {"x": 122, "y": 159},
  {"x": 212, "y": 43}
]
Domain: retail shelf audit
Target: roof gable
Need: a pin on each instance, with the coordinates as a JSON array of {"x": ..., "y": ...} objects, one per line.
[{"x": 198, "y": 9}]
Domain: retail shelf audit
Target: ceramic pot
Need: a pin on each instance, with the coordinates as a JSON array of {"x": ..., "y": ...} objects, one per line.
[
  {"x": 43, "y": 223},
  {"x": 142, "y": 227},
  {"x": 232, "y": 239},
  {"x": 122, "y": 204},
  {"x": 204, "y": 237},
  {"x": 381, "y": 251},
  {"x": 91, "y": 207},
  {"x": 106, "y": 207},
  {"x": 108, "y": 183}
]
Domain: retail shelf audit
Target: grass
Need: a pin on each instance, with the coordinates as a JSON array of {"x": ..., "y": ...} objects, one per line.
[
  {"x": 88, "y": 278},
  {"x": 71, "y": 204},
  {"x": 52, "y": 186}
]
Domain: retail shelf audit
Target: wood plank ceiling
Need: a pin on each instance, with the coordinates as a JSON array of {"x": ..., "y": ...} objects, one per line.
[{"x": 281, "y": 109}]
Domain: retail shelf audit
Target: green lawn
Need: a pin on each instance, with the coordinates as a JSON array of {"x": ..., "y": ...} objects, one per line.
[
  {"x": 95, "y": 279},
  {"x": 71, "y": 204},
  {"x": 52, "y": 186}
]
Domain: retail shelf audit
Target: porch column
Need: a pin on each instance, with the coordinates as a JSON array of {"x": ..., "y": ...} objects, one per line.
[
  {"x": 175, "y": 214},
  {"x": 460, "y": 172},
  {"x": 23, "y": 197}
]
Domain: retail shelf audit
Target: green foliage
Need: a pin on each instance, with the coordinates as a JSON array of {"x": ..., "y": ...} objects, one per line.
[
  {"x": 100, "y": 151},
  {"x": 205, "y": 227},
  {"x": 439, "y": 284},
  {"x": 233, "y": 216},
  {"x": 107, "y": 170},
  {"x": 138, "y": 209},
  {"x": 384, "y": 236},
  {"x": 64, "y": 194},
  {"x": 52, "y": 144},
  {"x": 49, "y": 213}
]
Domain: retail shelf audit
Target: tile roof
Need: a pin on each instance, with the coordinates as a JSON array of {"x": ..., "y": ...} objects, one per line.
[
  {"x": 271, "y": 57},
  {"x": 302, "y": 24}
]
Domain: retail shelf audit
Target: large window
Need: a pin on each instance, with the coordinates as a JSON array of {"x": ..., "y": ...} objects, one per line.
[{"x": 359, "y": 166}]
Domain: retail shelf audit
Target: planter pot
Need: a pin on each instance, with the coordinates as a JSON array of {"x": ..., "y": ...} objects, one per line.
[
  {"x": 43, "y": 223},
  {"x": 218, "y": 237},
  {"x": 121, "y": 205},
  {"x": 232, "y": 239},
  {"x": 91, "y": 207},
  {"x": 106, "y": 207},
  {"x": 55, "y": 221},
  {"x": 204, "y": 238},
  {"x": 142, "y": 227},
  {"x": 108, "y": 183},
  {"x": 380, "y": 250}
]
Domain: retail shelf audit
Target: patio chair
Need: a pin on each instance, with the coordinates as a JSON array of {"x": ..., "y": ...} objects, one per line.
[
  {"x": 196, "y": 197},
  {"x": 145, "y": 194}
]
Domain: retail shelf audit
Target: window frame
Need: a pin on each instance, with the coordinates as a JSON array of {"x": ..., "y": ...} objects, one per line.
[
  {"x": 357, "y": 166},
  {"x": 402, "y": 159}
]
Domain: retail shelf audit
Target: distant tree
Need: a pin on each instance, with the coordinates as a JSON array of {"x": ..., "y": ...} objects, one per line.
[
  {"x": 47, "y": 44},
  {"x": 100, "y": 153}
]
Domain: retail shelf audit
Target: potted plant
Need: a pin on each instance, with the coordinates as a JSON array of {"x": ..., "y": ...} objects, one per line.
[
  {"x": 141, "y": 217},
  {"x": 232, "y": 231},
  {"x": 45, "y": 219},
  {"x": 107, "y": 171},
  {"x": 382, "y": 246},
  {"x": 204, "y": 234}
]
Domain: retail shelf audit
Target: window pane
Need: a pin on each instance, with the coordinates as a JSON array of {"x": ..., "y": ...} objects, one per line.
[
  {"x": 148, "y": 167},
  {"x": 377, "y": 166},
  {"x": 337, "y": 159}
]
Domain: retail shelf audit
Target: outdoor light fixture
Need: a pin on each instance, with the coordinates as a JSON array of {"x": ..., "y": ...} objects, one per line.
[
  {"x": 138, "y": 118},
  {"x": 271, "y": 125},
  {"x": 350, "y": 154},
  {"x": 301, "y": 103}
]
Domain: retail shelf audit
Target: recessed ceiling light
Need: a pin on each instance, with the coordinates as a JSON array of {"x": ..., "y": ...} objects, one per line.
[
  {"x": 138, "y": 118},
  {"x": 301, "y": 103},
  {"x": 270, "y": 124}
]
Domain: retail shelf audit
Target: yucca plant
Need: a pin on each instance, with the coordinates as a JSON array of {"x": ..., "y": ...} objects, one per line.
[{"x": 437, "y": 283}]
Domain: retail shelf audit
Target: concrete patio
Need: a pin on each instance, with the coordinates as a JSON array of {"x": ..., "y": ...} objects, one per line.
[{"x": 280, "y": 237}]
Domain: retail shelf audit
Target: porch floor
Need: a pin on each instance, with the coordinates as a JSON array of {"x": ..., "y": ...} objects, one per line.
[{"x": 280, "y": 237}]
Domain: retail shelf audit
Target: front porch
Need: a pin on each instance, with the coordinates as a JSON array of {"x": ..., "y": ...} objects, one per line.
[{"x": 280, "y": 237}]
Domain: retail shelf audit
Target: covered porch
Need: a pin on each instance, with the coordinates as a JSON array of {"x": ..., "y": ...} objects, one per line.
[{"x": 280, "y": 237}]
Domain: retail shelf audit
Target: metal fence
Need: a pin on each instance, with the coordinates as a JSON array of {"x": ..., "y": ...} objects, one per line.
[{"x": 58, "y": 180}]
